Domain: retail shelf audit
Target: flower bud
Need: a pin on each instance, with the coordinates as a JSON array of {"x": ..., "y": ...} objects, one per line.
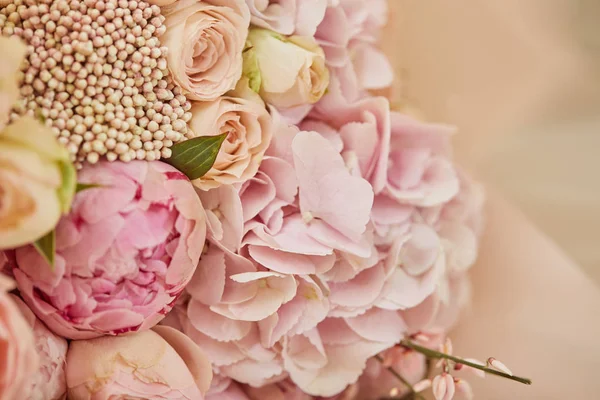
[
  {"x": 443, "y": 387},
  {"x": 286, "y": 71}
]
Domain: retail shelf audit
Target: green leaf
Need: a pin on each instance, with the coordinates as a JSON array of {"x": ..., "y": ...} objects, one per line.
[
  {"x": 85, "y": 186},
  {"x": 195, "y": 157},
  {"x": 69, "y": 183},
  {"x": 46, "y": 246}
]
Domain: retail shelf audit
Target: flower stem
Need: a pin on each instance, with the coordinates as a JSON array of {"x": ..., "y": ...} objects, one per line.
[
  {"x": 411, "y": 389},
  {"x": 436, "y": 354}
]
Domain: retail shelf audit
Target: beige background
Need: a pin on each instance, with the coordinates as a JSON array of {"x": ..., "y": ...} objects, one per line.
[{"x": 521, "y": 79}]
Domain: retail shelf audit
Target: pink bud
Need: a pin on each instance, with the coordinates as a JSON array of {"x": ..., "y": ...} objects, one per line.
[
  {"x": 422, "y": 385},
  {"x": 443, "y": 387},
  {"x": 499, "y": 366}
]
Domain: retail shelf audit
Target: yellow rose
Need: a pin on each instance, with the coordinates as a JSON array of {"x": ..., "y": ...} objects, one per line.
[{"x": 37, "y": 182}]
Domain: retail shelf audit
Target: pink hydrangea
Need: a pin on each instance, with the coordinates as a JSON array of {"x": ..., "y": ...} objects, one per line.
[
  {"x": 287, "y": 251},
  {"x": 349, "y": 34},
  {"x": 300, "y": 17},
  {"x": 360, "y": 128},
  {"x": 123, "y": 254},
  {"x": 300, "y": 285}
]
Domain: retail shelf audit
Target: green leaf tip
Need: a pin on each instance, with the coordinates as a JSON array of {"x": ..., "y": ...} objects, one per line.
[
  {"x": 195, "y": 157},
  {"x": 46, "y": 246}
]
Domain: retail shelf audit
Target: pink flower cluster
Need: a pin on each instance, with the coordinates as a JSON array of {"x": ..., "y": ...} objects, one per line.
[
  {"x": 305, "y": 251},
  {"x": 355, "y": 232}
]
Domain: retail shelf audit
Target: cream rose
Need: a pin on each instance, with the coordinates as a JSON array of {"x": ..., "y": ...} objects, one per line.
[
  {"x": 286, "y": 71},
  {"x": 37, "y": 182},
  {"x": 205, "y": 40},
  {"x": 243, "y": 116}
]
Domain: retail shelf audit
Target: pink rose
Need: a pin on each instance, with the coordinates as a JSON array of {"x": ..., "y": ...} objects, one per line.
[
  {"x": 300, "y": 17},
  {"x": 18, "y": 356},
  {"x": 349, "y": 35},
  {"x": 123, "y": 254},
  {"x": 205, "y": 41},
  {"x": 154, "y": 365},
  {"x": 243, "y": 116},
  {"x": 49, "y": 383}
]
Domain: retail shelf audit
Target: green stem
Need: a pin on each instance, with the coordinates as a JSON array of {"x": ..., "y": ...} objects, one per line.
[
  {"x": 402, "y": 379},
  {"x": 436, "y": 354}
]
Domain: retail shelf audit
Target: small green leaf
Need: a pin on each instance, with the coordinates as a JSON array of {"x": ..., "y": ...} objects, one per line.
[
  {"x": 46, "y": 247},
  {"x": 68, "y": 187},
  {"x": 195, "y": 157},
  {"x": 85, "y": 186}
]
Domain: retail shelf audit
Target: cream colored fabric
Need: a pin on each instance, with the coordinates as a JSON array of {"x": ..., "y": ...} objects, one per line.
[{"x": 522, "y": 81}]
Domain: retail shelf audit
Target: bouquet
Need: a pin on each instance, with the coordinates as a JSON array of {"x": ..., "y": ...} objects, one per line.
[{"x": 207, "y": 199}]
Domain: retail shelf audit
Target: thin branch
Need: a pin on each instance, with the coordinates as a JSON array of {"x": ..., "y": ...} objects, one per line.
[
  {"x": 436, "y": 354},
  {"x": 406, "y": 383}
]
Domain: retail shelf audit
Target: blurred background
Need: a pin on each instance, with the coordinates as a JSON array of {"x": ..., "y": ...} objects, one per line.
[{"x": 521, "y": 79}]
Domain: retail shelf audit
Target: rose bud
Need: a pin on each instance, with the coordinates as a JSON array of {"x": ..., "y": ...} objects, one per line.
[
  {"x": 286, "y": 71},
  {"x": 37, "y": 182},
  {"x": 151, "y": 365},
  {"x": 123, "y": 254},
  {"x": 49, "y": 383}
]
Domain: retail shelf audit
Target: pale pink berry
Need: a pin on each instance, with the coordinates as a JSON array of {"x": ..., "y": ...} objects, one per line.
[{"x": 422, "y": 385}]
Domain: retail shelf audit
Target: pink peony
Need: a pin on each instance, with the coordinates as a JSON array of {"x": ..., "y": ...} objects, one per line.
[
  {"x": 18, "y": 356},
  {"x": 123, "y": 254},
  {"x": 348, "y": 34},
  {"x": 299, "y": 17},
  {"x": 158, "y": 364},
  {"x": 49, "y": 383}
]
